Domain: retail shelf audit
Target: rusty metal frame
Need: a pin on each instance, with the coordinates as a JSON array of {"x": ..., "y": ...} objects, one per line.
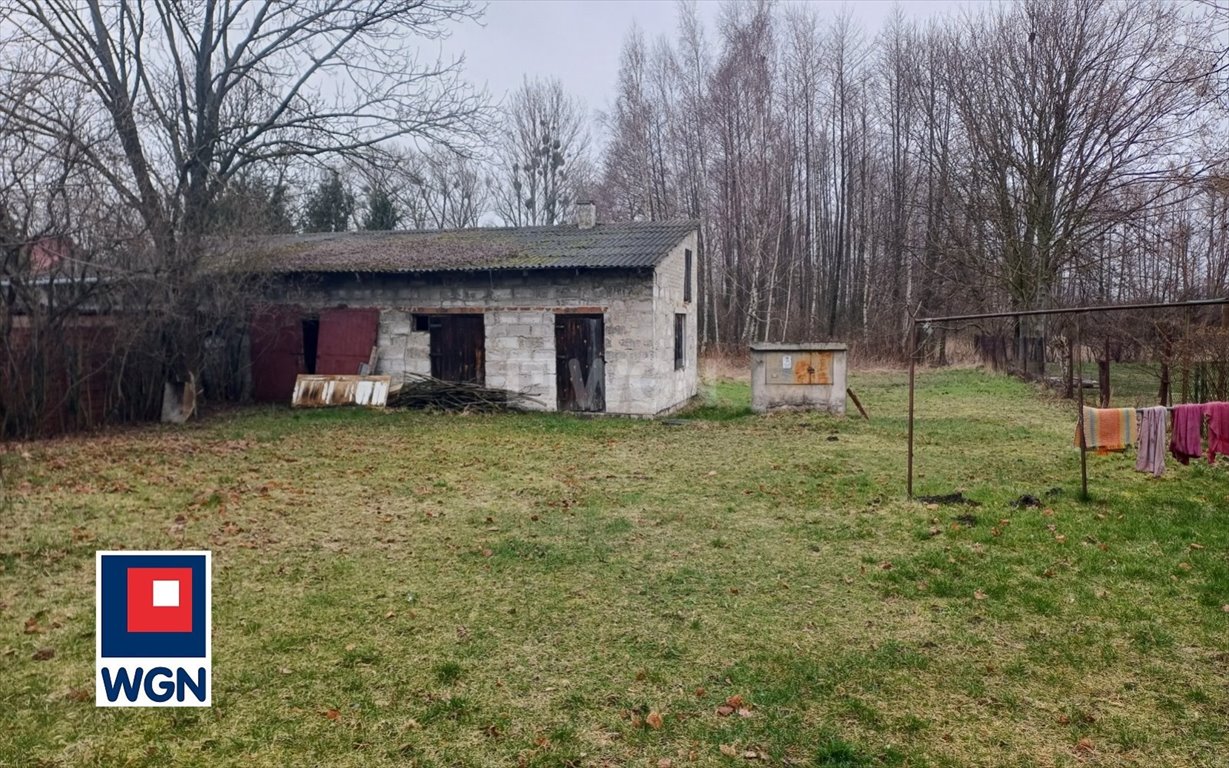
[{"x": 916, "y": 349}]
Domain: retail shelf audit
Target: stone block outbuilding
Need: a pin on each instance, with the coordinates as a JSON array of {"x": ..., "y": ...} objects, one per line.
[{"x": 593, "y": 318}]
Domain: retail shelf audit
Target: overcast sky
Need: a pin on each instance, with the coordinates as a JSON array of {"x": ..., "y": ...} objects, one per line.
[{"x": 578, "y": 41}]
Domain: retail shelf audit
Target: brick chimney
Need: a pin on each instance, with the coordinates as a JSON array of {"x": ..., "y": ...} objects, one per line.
[{"x": 586, "y": 214}]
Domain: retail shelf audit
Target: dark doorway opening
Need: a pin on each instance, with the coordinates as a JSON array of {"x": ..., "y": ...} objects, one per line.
[
  {"x": 458, "y": 348},
  {"x": 580, "y": 363},
  {"x": 311, "y": 340}
]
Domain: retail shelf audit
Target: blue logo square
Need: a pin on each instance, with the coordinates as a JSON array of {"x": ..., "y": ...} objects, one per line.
[{"x": 116, "y": 639}]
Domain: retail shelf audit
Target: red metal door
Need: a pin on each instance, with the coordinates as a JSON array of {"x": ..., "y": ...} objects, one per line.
[
  {"x": 276, "y": 346},
  {"x": 346, "y": 339}
]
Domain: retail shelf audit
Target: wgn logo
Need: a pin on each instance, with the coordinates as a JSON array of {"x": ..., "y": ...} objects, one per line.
[{"x": 152, "y": 629}]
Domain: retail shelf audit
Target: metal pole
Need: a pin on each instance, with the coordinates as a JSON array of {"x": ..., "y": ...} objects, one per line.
[
  {"x": 1076, "y": 310},
  {"x": 1079, "y": 419},
  {"x": 912, "y": 386}
]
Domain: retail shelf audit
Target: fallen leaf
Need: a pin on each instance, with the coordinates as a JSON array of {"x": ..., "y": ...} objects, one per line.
[
  {"x": 1225, "y": 607},
  {"x": 886, "y": 565},
  {"x": 487, "y": 553},
  {"x": 42, "y": 654},
  {"x": 1185, "y": 566},
  {"x": 751, "y": 754},
  {"x": 725, "y": 711},
  {"x": 700, "y": 693},
  {"x": 728, "y": 750},
  {"x": 332, "y": 714},
  {"x": 1060, "y": 538},
  {"x": 654, "y": 720},
  {"x": 534, "y": 518},
  {"x": 32, "y": 627},
  {"x": 735, "y": 701},
  {"x": 641, "y": 674},
  {"x": 389, "y": 615},
  {"x": 1064, "y": 720},
  {"x": 979, "y": 595},
  {"x": 744, "y": 712},
  {"x": 665, "y": 762},
  {"x": 1085, "y": 745},
  {"x": 80, "y": 694},
  {"x": 284, "y": 670}
]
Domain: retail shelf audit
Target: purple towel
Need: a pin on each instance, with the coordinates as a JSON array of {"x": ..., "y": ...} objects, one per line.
[
  {"x": 1187, "y": 442},
  {"x": 1151, "y": 457},
  {"x": 1218, "y": 430}
]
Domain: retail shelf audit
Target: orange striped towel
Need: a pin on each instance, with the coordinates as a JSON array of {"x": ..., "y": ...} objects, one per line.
[{"x": 1109, "y": 429}]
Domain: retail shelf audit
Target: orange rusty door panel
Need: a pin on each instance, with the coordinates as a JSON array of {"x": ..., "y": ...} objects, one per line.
[
  {"x": 813, "y": 368},
  {"x": 802, "y": 368},
  {"x": 346, "y": 339},
  {"x": 821, "y": 367}
]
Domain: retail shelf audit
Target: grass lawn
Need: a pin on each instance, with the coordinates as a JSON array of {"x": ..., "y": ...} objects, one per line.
[{"x": 400, "y": 589}]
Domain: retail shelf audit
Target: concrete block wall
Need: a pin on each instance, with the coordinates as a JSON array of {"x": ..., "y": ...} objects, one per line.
[
  {"x": 519, "y": 319},
  {"x": 675, "y": 387}
]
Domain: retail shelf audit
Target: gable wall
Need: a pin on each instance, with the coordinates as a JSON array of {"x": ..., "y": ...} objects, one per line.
[{"x": 675, "y": 387}]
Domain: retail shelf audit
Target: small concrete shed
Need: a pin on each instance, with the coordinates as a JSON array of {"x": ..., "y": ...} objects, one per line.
[
  {"x": 799, "y": 376},
  {"x": 595, "y": 317}
]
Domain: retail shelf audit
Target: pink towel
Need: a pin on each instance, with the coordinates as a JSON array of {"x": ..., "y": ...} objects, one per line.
[
  {"x": 1151, "y": 457},
  {"x": 1218, "y": 430},
  {"x": 1186, "y": 442}
]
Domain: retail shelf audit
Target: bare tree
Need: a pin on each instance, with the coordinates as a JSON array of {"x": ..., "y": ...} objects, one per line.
[
  {"x": 167, "y": 101},
  {"x": 543, "y": 155},
  {"x": 1062, "y": 112}
]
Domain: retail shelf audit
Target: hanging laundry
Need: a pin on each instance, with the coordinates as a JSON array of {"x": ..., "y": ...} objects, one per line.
[
  {"x": 1109, "y": 429},
  {"x": 1218, "y": 430},
  {"x": 1152, "y": 441},
  {"x": 1187, "y": 441}
]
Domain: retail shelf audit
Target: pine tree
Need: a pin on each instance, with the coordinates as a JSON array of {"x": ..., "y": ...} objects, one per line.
[
  {"x": 382, "y": 213},
  {"x": 330, "y": 207}
]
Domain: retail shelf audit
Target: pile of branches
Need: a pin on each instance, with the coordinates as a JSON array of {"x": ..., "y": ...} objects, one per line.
[{"x": 426, "y": 392}]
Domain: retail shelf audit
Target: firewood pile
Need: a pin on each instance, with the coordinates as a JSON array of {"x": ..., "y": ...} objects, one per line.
[{"x": 428, "y": 393}]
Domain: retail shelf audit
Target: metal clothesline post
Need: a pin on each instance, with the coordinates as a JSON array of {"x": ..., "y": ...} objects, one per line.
[
  {"x": 1079, "y": 385},
  {"x": 915, "y": 351}
]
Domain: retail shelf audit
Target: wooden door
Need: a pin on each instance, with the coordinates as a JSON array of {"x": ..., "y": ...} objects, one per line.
[
  {"x": 458, "y": 348},
  {"x": 580, "y": 362}
]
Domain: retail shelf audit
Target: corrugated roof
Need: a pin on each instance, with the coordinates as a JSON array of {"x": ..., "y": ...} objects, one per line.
[{"x": 605, "y": 246}]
